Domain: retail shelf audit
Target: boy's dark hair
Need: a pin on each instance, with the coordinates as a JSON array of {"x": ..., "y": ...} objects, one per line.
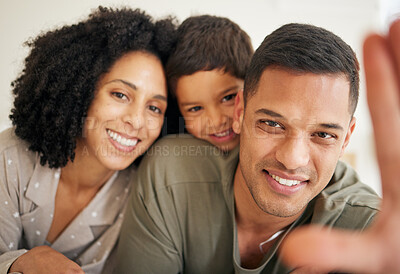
[
  {"x": 304, "y": 48},
  {"x": 57, "y": 85},
  {"x": 209, "y": 42}
]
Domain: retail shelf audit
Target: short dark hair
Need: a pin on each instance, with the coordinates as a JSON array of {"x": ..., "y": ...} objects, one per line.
[
  {"x": 56, "y": 87},
  {"x": 304, "y": 48},
  {"x": 209, "y": 42}
]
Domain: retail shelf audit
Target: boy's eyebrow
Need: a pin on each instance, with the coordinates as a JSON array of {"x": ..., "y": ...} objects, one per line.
[
  {"x": 222, "y": 92},
  {"x": 189, "y": 104},
  {"x": 134, "y": 87},
  {"x": 277, "y": 115},
  {"x": 230, "y": 89}
]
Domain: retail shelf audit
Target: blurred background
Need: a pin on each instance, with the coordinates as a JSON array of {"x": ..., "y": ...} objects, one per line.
[{"x": 350, "y": 19}]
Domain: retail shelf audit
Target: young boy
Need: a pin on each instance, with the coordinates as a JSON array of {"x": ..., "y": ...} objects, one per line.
[{"x": 205, "y": 72}]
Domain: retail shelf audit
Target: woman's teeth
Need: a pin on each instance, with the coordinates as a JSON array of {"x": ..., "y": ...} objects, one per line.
[
  {"x": 285, "y": 182},
  {"x": 122, "y": 140}
]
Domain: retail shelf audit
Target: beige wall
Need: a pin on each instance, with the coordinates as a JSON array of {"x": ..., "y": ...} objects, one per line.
[{"x": 350, "y": 19}]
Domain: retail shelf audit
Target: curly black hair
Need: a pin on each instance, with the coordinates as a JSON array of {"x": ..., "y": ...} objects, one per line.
[{"x": 57, "y": 85}]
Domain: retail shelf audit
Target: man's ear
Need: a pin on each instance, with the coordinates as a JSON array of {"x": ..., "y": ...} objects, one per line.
[
  {"x": 348, "y": 134},
  {"x": 238, "y": 112}
]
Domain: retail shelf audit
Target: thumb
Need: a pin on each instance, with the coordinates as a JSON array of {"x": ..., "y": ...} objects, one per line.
[{"x": 329, "y": 250}]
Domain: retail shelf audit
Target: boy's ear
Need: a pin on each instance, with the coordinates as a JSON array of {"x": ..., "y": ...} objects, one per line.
[{"x": 238, "y": 112}]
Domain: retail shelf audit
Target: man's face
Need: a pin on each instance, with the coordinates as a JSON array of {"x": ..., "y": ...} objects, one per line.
[{"x": 292, "y": 133}]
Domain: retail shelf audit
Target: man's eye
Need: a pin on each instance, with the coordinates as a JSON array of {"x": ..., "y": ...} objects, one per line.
[
  {"x": 272, "y": 124},
  {"x": 119, "y": 95},
  {"x": 324, "y": 135},
  {"x": 194, "y": 109},
  {"x": 228, "y": 97}
]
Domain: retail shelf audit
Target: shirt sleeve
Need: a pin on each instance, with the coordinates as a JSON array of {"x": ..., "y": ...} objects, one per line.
[
  {"x": 146, "y": 244},
  {"x": 11, "y": 230}
]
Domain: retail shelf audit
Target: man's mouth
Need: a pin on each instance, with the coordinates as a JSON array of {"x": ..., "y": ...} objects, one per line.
[
  {"x": 122, "y": 140},
  {"x": 285, "y": 182},
  {"x": 294, "y": 181}
]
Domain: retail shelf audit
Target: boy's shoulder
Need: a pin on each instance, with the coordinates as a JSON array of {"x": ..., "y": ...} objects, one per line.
[
  {"x": 182, "y": 147},
  {"x": 178, "y": 158}
]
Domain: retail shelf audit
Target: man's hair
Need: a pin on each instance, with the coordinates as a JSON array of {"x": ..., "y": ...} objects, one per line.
[
  {"x": 209, "y": 42},
  {"x": 304, "y": 48},
  {"x": 57, "y": 86}
]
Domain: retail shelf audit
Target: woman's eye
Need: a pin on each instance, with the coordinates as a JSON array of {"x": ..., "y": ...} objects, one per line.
[
  {"x": 194, "y": 109},
  {"x": 228, "y": 97},
  {"x": 119, "y": 95},
  {"x": 155, "y": 109}
]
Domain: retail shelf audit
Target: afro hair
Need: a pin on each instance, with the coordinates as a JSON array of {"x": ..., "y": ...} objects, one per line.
[{"x": 57, "y": 85}]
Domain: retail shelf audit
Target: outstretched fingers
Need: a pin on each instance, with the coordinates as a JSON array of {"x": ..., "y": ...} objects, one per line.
[{"x": 382, "y": 67}]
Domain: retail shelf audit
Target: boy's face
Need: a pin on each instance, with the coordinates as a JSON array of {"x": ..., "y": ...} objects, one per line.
[{"x": 206, "y": 100}]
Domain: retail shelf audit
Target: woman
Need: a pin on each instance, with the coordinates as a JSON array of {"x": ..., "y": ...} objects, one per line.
[{"x": 90, "y": 100}]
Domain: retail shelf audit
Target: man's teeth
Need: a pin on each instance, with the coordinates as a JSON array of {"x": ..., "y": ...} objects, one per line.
[
  {"x": 222, "y": 134},
  {"x": 285, "y": 182},
  {"x": 122, "y": 140}
]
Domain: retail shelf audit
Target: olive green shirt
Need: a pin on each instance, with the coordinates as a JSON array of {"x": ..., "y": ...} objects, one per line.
[{"x": 180, "y": 217}]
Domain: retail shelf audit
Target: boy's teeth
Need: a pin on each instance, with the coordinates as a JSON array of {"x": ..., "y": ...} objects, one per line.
[
  {"x": 222, "y": 134},
  {"x": 285, "y": 182},
  {"x": 122, "y": 140}
]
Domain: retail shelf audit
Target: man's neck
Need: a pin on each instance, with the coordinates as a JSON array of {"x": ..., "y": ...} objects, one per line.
[
  {"x": 254, "y": 226},
  {"x": 250, "y": 216}
]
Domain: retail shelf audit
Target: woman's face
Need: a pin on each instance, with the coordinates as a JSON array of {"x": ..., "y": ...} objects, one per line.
[{"x": 127, "y": 112}]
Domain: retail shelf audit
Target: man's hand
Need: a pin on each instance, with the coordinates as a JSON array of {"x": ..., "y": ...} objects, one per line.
[
  {"x": 377, "y": 249},
  {"x": 44, "y": 259}
]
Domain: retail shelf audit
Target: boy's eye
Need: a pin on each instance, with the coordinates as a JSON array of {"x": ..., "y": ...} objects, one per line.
[
  {"x": 194, "y": 109},
  {"x": 155, "y": 109},
  {"x": 228, "y": 97},
  {"x": 119, "y": 95}
]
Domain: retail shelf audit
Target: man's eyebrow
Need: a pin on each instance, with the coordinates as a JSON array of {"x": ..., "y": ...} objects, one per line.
[
  {"x": 331, "y": 126},
  {"x": 277, "y": 115},
  {"x": 269, "y": 112},
  {"x": 134, "y": 87}
]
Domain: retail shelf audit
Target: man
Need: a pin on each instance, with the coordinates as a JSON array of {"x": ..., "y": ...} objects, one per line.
[{"x": 195, "y": 210}]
